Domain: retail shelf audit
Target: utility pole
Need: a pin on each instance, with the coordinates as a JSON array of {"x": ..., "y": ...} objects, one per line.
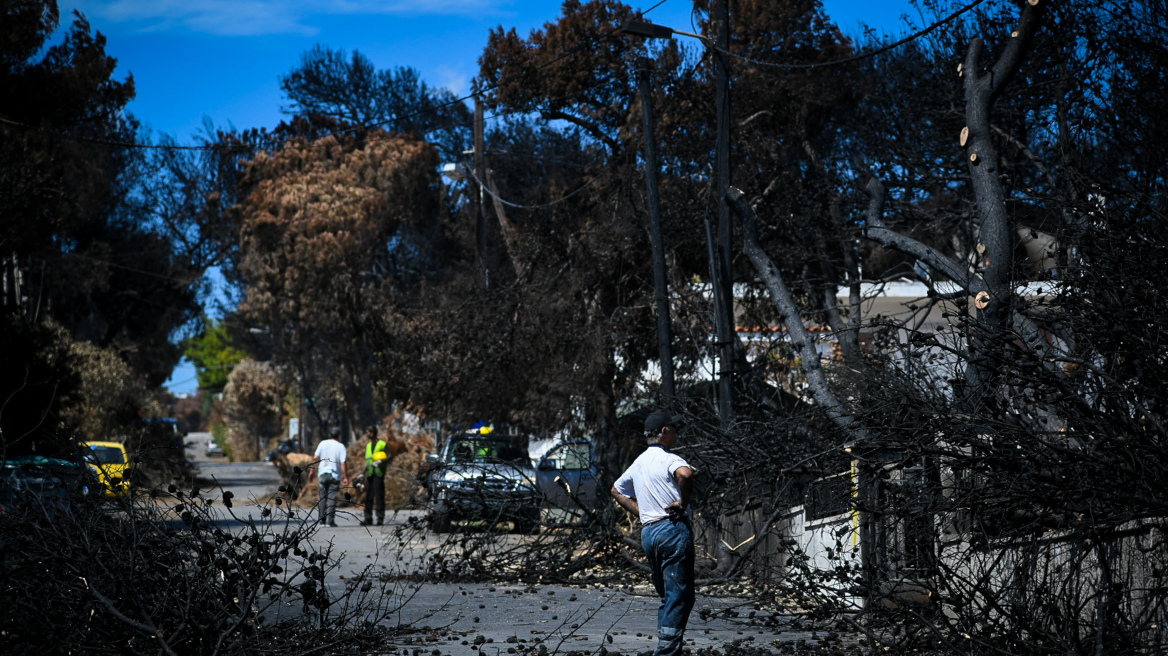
[
  {"x": 664, "y": 339},
  {"x": 724, "y": 290},
  {"x": 722, "y": 281},
  {"x": 711, "y": 251},
  {"x": 480, "y": 169}
]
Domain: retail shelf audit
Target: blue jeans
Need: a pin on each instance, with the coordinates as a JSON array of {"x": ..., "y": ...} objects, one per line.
[{"x": 669, "y": 547}]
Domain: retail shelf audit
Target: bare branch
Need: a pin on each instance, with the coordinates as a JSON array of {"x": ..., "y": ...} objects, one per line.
[{"x": 792, "y": 319}]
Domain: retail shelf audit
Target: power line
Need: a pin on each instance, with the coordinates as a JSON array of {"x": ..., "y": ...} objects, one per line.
[
  {"x": 538, "y": 158},
  {"x": 184, "y": 280},
  {"x": 863, "y": 55},
  {"x": 181, "y": 382},
  {"x": 527, "y": 207}
]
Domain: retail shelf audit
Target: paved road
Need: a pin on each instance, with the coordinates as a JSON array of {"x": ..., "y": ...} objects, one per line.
[
  {"x": 506, "y": 619},
  {"x": 562, "y": 618},
  {"x": 247, "y": 480}
]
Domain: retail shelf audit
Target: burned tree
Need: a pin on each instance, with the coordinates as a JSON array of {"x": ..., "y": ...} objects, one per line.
[
  {"x": 326, "y": 229},
  {"x": 989, "y": 445}
]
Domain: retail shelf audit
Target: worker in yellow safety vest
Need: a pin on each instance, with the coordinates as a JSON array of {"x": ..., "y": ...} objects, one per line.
[{"x": 375, "y": 461}]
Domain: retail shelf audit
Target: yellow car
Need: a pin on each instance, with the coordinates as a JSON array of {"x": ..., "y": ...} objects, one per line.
[{"x": 109, "y": 460}]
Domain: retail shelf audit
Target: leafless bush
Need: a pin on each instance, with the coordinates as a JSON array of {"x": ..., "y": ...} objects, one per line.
[{"x": 166, "y": 573}]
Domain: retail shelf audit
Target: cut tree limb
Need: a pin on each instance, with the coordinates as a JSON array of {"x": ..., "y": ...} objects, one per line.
[
  {"x": 785, "y": 303},
  {"x": 881, "y": 234}
]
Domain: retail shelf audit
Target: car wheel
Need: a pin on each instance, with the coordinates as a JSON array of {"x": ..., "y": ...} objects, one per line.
[{"x": 439, "y": 521}]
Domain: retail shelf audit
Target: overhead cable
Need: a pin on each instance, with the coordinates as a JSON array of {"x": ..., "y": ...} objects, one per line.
[
  {"x": 863, "y": 55},
  {"x": 508, "y": 203},
  {"x": 105, "y": 142}
]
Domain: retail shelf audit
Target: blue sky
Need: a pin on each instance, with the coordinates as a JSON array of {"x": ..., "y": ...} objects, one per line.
[{"x": 221, "y": 59}]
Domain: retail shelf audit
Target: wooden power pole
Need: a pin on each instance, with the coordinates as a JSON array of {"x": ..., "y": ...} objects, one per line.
[
  {"x": 724, "y": 291},
  {"x": 664, "y": 338}
]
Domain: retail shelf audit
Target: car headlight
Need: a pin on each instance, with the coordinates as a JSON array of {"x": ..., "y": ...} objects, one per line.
[{"x": 454, "y": 477}]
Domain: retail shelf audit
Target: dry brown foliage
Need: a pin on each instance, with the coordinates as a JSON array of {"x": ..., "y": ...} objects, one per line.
[
  {"x": 319, "y": 231},
  {"x": 111, "y": 396},
  {"x": 250, "y": 405}
]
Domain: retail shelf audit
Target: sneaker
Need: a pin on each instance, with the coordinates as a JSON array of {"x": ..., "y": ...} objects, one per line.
[
  {"x": 366, "y": 522},
  {"x": 379, "y": 522},
  {"x": 333, "y": 524}
]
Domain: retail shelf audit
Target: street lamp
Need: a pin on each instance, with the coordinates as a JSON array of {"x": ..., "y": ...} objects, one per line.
[
  {"x": 723, "y": 278},
  {"x": 654, "y": 31}
]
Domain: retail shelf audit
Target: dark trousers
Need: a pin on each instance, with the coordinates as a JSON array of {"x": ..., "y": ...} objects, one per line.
[
  {"x": 328, "y": 487},
  {"x": 375, "y": 491},
  {"x": 669, "y": 548}
]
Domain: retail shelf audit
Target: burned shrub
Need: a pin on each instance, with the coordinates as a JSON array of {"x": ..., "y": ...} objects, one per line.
[{"x": 172, "y": 573}]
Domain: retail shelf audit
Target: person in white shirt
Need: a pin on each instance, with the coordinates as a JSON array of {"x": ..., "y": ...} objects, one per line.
[
  {"x": 330, "y": 470},
  {"x": 656, "y": 488}
]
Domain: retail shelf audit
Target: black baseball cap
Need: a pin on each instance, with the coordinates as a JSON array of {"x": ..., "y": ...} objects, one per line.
[{"x": 660, "y": 419}]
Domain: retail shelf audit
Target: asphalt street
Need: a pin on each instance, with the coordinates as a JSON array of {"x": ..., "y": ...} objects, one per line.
[
  {"x": 247, "y": 480},
  {"x": 483, "y": 618},
  {"x": 506, "y": 617}
]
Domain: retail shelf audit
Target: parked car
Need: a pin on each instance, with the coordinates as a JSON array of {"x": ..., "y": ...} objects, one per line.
[
  {"x": 41, "y": 484},
  {"x": 213, "y": 449},
  {"x": 481, "y": 476},
  {"x": 108, "y": 460},
  {"x": 566, "y": 478}
]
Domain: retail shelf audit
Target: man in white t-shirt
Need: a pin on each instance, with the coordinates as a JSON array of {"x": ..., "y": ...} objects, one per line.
[
  {"x": 656, "y": 488},
  {"x": 330, "y": 469}
]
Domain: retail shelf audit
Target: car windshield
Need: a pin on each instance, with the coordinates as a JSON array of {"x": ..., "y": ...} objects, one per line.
[
  {"x": 572, "y": 456},
  {"x": 107, "y": 455},
  {"x": 477, "y": 450}
]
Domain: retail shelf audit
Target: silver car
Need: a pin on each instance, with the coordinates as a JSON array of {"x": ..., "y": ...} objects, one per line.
[{"x": 482, "y": 477}]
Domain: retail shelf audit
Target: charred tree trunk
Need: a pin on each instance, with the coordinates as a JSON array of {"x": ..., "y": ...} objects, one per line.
[
  {"x": 784, "y": 302},
  {"x": 994, "y": 250}
]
